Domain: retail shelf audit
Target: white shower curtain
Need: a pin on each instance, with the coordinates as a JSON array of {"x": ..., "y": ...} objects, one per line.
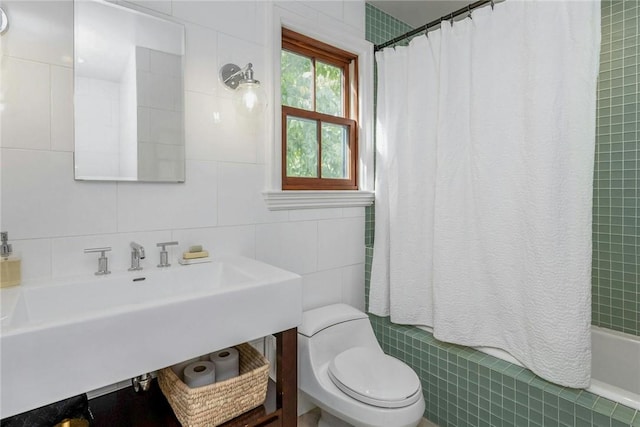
[{"x": 485, "y": 143}]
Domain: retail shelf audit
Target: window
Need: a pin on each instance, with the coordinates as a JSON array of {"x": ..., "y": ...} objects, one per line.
[{"x": 319, "y": 103}]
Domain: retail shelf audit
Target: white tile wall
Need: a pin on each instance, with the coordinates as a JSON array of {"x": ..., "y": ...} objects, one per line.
[
  {"x": 334, "y": 9},
  {"x": 201, "y": 58},
  {"x": 26, "y": 115},
  {"x": 291, "y": 245},
  {"x": 339, "y": 243},
  {"x": 41, "y": 31},
  {"x": 158, "y": 206},
  {"x": 235, "y": 18},
  {"x": 41, "y": 199},
  {"x": 61, "y": 108},
  {"x": 219, "y": 241},
  {"x": 321, "y": 288},
  {"x": 51, "y": 218},
  {"x": 353, "y": 286}
]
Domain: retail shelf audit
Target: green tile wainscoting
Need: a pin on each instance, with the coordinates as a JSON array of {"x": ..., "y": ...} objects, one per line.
[{"x": 464, "y": 387}]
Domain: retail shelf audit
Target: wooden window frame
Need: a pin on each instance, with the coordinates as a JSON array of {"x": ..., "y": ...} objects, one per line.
[{"x": 319, "y": 51}]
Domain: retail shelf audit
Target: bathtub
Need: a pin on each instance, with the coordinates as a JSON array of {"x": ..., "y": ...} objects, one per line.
[{"x": 615, "y": 368}]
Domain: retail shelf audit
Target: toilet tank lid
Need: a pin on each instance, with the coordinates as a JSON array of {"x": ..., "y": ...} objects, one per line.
[{"x": 314, "y": 321}]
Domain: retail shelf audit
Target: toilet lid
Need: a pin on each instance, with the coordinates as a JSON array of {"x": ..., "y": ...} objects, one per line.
[{"x": 374, "y": 378}]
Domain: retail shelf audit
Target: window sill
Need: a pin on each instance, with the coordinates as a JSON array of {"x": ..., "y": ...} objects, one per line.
[{"x": 282, "y": 200}]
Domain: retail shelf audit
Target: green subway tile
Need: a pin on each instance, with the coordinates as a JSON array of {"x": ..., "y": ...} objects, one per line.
[
  {"x": 616, "y": 423},
  {"x": 535, "y": 393},
  {"x": 514, "y": 370},
  {"x": 508, "y": 393},
  {"x": 535, "y": 417},
  {"x": 605, "y": 406},
  {"x": 501, "y": 365},
  {"x": 587, "y": 400},
  {"x": 584, "y": 414},
  {"x": 536, "y": 405},
  {"x": 601, "y": 420},
  {"x": 522, "y": 399},
  {"x": 550, "y": 411},
  {"x": 551, "y": 422},
  {"x": 566, "y": 405},
  {"x": 570, "y": 394},
  {"x": 509, "y": 405},
  {"x": 496, "y": 420},
  {"x": 567, "y": 418},
  {"x": 521, "y": 421},
  {"x": 538, "y": 383},
  {"x": 550, "y": 399},
  {"x": 583, "y": 423},
  {"x": 553, "y": 389}
]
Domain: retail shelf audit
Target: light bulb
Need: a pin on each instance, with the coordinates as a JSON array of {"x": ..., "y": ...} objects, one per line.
[{"x": 250, "y": 99}]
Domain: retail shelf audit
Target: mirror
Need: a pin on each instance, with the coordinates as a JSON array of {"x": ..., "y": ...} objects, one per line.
[{"x": 128, "y": 95}]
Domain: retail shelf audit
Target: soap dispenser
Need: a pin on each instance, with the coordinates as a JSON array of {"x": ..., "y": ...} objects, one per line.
[{"x": 9, "y": 263}]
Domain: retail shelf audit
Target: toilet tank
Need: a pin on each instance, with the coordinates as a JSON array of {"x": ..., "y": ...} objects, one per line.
[{"x": 327, "y": 331}]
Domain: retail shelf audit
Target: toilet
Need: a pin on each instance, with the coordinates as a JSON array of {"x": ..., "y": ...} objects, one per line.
[{"x": 343, "y": 370}]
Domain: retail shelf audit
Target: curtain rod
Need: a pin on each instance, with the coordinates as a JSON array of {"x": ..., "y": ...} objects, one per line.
[{"x": 466, "y": 9}]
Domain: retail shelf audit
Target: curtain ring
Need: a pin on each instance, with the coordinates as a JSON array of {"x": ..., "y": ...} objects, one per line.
[
  {"x": 492, "y": 4},
  {"x": 469, "y": 12},
  {"x": 451, "y": 19}
]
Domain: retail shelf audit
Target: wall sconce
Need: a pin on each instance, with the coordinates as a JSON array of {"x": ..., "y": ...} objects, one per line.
[
  {"x": 4, "y": 21},
  {"x": 249, "y": 98}
]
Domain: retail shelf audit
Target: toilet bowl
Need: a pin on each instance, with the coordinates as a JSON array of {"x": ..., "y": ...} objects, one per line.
[{"x": 343, "y": 370}]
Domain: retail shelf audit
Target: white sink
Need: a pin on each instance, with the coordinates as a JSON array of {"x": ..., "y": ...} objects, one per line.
[{"x": 62, "y": 338}]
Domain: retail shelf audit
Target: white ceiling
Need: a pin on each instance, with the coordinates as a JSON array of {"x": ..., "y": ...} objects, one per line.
[{"x": 419, "y": 12}]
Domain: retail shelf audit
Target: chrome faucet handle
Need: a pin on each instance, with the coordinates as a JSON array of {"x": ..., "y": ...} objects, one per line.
[
  {"x": 138, "y": 249},
  {"x": 137, "y": 253},
  {"x": 164, "y": 255},
  {"x": 103, "y": 261}
]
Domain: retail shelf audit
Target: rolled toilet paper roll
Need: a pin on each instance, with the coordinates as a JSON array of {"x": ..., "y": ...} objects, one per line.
[
  {"x": 199, "y": 374},
  {"x": 178, "y": 368},
  {"x": 227, "y": 363}
]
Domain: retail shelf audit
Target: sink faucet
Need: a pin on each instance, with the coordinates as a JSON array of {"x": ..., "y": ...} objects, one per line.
[{"x": 137, "y": 253}]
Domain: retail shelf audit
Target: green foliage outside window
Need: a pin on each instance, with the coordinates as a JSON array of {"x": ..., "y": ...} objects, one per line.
[
  {"x": 334, "y": 151},
  {"x": 329, "y": 87},
  {"x": 296, "y": 80},
  {"x": 302, "y": 148},
  {"x": 298, "y": 91}
]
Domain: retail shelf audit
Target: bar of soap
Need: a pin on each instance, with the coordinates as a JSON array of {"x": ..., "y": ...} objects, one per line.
[
  {"x": 194, "y": 255},
  {"x": 195, "y": 248}
]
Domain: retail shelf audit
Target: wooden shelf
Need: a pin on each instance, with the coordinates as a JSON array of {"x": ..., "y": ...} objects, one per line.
[{"x": 125, "y": 407}]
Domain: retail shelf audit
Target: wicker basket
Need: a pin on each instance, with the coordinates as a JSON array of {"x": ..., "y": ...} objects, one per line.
[{"x": 214, "y": 404}]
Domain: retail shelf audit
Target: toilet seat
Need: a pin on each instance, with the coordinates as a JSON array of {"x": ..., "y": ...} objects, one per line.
[{"x": 372, "y": 377}]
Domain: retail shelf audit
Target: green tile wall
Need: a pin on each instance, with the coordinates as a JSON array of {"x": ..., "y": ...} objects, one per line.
[
  {"x": 616, "y": 210},
  {"x": 381, "y": 27},
  {"x": 463, "y": 387}
]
